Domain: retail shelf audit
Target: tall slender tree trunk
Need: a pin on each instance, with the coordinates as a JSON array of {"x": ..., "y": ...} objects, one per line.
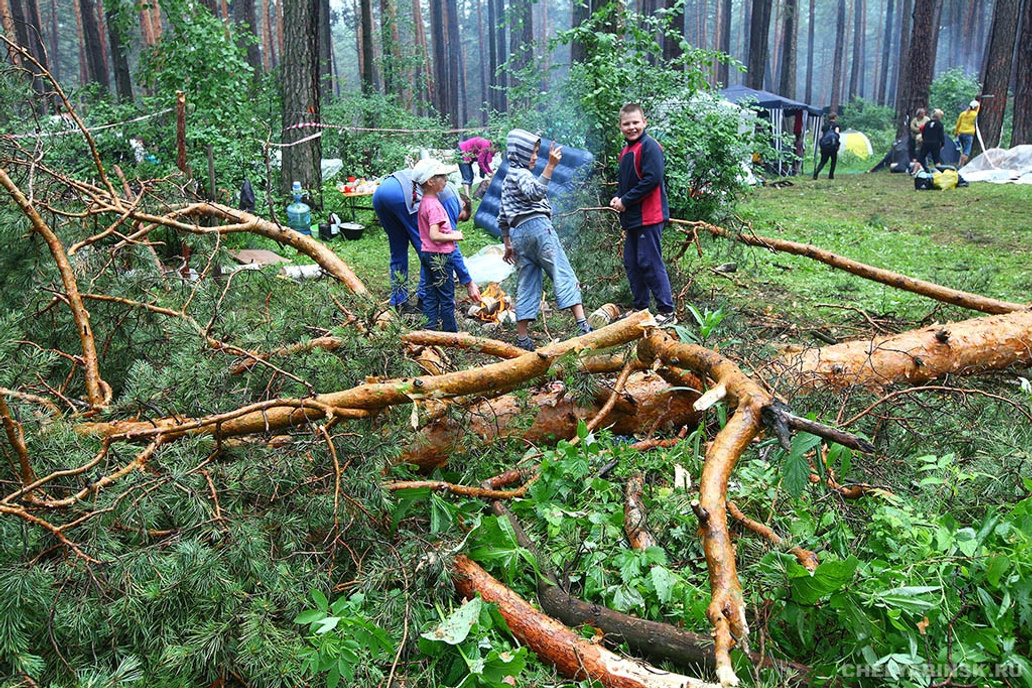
[
  {"x": 439, "y": 49},
  {"x": 422, "y": 77},
  {"x": 856, "y": 75},
  {"x": 809, "y": 54},
  {"x": 368, "y": 62},
  {"x": 325, "y": 60},
  {"x": 123, "y": 79},
  {"x": 390, "y": 45},
  {"x": 484, "y": 97},
  {"x": 997, "y": 69},
  {"x": 246, "y": 24},
  {"x": 96, "y": 65},
  {"x": 787, "y": 84},
  {"x": 840, "y": 49},
  {"x": 882, "y": 85},
  {"x": 454, "y": 53},
  {"x": 758, "y": 37},
  {"x": 54, "y": 49},
  {"x": 901, "y": 82},
  {"x": 672, "y": 44},
  {"x": 1021, "y": 132},
  {"x": 155, "y": 19},
  {"x": 502, "y": 78},
  {"x": 746, "y": 33},
  {"x": 921, "y": 57},
  {"x": 301, "y": 102},
  {"x": 724, "y": 41},
  {"x": 580, "y": 10},
  {"x": 521, "y": 33}
]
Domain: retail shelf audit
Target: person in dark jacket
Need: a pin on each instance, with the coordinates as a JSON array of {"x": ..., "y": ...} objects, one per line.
[
  {"x": 641, "y": 201},
  {"x": 829, "y": 146},
  {"x": 933, "y": 138}
]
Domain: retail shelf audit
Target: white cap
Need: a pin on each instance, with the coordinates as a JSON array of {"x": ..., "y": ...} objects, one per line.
[
  {"x": 427, "y": 168},
  {"x": 973, "y": 105}
]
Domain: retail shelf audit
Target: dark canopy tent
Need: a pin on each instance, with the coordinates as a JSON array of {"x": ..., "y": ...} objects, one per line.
[{"x": 777, "y": 107}]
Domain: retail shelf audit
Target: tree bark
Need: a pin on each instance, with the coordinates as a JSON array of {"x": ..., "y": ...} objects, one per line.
[
  {"x": 501, "y": 57},
  {"x": 368, "y": 75},
  {"x": 960, "y": 348},
  {"x": 836, "y": 63},
  {"x": 856, "y": 72},
  {"x": 758, "y": 37},
  {"x": 247, "y": 25},
  {"x": 809, "y": 54},
  {"x": 454, "y": 52},
  {"x": 920, "y": 61},
  {"x": 881, "y": 93},
  {"x": 997, "y": 70},
  {"x": 572, "y": 656},
  {"x": 724, "y": 41},
  {"x": 787, "y": 86},
  {"x": 96, "y": 65},
  {"x": 440, "y": 63},
  {"x": 1021, "y": 132},
  {"x": 123, "y": 79},
  {"x": 301, "y": 102}
]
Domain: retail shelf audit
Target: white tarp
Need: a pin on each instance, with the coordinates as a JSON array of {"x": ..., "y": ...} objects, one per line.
[{"x": 1001, "y": 166}]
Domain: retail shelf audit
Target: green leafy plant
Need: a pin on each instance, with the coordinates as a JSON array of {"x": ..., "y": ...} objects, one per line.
[
  {"x": 472, "y": 648},
  {"x": 342, "y": 642},
  {"x": 707, "y": 323}
]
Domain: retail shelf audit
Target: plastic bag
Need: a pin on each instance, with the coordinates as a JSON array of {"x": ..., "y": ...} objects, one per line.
[
  {"x": 486, "y": 265},
  {"x": 947, "y": 179}
]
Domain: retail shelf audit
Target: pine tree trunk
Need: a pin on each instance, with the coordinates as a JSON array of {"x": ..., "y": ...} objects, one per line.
[
  {"x": 325, "y": 59},
  {"x": 300, "y": 86},
  {"x": 123, "y": 79},
  {"x": 390, "y": 42},
  {"x": 421, "y": 75},
  {"x": 904, "y": 86},
  {"x": 96, "y": 66},
  {"x": 856, "y": 72},
  {"x": 1021, "y": 133},
  {"x": 809, "y": 54},
  {"x": 246, "y": 23},
  {"x": 579, "y": 12},
  {"x": 724, "y": 41},
  {"x": 997, "y": 69},
  {"x": 787, "y": 86},
  {"x": 758, "y": 36},
  {"x": 368, "y": 74},
  {"x": 155, "y": 18},
  {"x": 454, "y": 52},
  {"x": 501, "y": 79},
  {"x": 484, "y": 99},
  {"x": 881, "y": 96},
  {"x": 840, "y": 49},
  {"x": 54, "y": 55},
  {"x": 671, "y": 45},
  {"x": 440, "y": 64}
]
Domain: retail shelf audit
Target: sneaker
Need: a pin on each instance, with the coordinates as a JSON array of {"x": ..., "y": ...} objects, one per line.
[
  {"x": 525, "y": 343},
  {"x": 409, "y": 307},
  {"x": 665, "y": 319},
  {"x": 815, "y": 176},
  {"x": 585, "y": 327}
]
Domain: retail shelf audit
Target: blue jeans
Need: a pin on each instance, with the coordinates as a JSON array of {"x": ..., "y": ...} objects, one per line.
[
  {"x": 646, "y": 272},
  {"x": 402, "y": 231},
  {"x": 538, "y": 251},
  {"x": 439, "y": 299},
  {"x": 965, "y": 142}
]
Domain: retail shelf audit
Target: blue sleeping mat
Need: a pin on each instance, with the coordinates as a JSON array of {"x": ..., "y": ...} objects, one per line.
[{"x": 574, "y": 167}]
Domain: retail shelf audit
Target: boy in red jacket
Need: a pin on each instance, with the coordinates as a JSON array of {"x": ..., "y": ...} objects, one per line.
[{"x": 641, "y": 201}]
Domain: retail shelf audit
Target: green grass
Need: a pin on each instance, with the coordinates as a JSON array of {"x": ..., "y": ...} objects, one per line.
[{"x": 976, "y": 239}]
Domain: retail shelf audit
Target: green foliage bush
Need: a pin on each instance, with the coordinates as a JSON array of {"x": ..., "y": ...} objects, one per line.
[{"x": 951, "y": 92}]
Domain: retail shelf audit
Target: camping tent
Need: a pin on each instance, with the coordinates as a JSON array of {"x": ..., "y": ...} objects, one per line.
[
  {"x": 778, "y": 107},
  {"x": 855, "y": 142}
]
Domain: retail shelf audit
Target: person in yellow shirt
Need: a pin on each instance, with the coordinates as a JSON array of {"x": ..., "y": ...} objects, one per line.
[{"x": 965, "y": 131}]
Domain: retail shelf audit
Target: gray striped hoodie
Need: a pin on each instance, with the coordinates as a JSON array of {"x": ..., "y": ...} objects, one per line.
[{"x": 524, "y": 196}]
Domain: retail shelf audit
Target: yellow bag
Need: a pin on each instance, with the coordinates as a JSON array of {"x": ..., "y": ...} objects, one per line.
[{"x": 947, "y": 179}]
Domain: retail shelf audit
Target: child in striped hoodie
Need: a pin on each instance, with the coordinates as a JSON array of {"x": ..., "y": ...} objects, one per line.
[{"x": 531, "y": 244}]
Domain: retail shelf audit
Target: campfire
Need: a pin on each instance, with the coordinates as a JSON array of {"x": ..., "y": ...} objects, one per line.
[{"x": 495, "y": 306}]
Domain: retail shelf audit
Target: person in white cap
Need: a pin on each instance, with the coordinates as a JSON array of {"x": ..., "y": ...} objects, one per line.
[
  {"x": 965, "y": 131},
  {"x": 437, "y": 244}
]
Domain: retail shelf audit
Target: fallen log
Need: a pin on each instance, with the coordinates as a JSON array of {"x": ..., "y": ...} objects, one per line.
[
  {"x": 647, "y": 402},
  {"x": 914, "y": 357},
  {"x": 361, "y": 400},
  {"x": 726, "y": 611},
  {"x": 893, "y": 279},
  {"x": 573, "y": 656}
]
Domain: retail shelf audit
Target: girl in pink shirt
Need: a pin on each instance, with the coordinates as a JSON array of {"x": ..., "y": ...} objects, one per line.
[{"x": 437, "y": 238}]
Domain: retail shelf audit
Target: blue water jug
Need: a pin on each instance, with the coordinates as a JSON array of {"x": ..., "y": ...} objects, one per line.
[{"x": 299, "y": 215}]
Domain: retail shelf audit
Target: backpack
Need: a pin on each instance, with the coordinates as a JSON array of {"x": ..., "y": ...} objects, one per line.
[
  {"x": 830, "y": 141},
  {"x": 923, "y": 181}
]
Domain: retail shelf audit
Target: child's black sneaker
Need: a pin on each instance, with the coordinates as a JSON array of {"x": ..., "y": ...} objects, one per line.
[{"x": 525, "y": 343}]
